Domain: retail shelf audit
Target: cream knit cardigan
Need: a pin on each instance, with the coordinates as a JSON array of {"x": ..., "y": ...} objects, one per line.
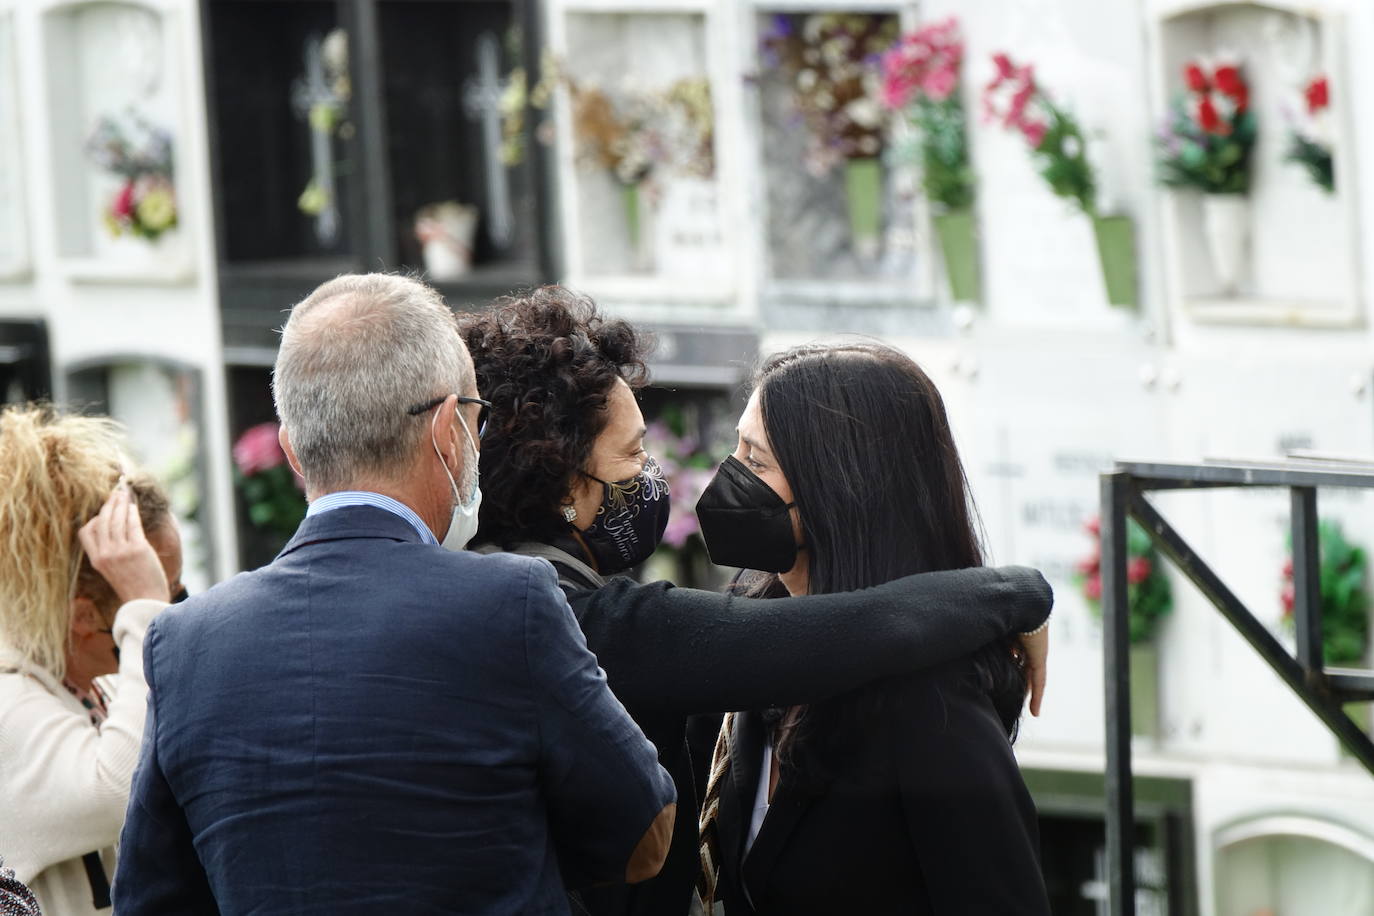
[{"x": 64, "y": 784}]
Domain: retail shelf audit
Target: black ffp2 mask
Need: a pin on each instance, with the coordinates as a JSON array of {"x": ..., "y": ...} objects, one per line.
[{"x": 745, "y": 523}]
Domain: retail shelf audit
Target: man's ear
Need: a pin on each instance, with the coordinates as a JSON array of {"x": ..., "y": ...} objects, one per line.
[
  {"x": 285, "y": 441},
  {"x": 447, "y": 433},
  {"x": 86, "y": 619}
]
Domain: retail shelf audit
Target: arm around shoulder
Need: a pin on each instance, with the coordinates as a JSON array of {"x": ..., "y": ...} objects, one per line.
[{"x": 610, "y": 803}]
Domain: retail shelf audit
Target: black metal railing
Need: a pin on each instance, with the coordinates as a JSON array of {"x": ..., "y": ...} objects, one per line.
[{"x": 1323, "y": 689}]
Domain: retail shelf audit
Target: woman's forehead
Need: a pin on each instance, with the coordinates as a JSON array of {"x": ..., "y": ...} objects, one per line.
[{"x": 751, "y": 423}]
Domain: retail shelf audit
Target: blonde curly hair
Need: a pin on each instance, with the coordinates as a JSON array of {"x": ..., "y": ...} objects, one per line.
[{"x": 56, "y": 471}]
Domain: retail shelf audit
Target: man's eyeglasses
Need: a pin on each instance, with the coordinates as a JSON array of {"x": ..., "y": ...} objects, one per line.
[{"x": 482, "y": 415}]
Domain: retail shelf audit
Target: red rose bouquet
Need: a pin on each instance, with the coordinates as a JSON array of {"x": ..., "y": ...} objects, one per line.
[{"x": 1208, "y": 137}]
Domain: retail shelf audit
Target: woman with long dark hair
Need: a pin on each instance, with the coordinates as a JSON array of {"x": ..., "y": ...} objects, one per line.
[
  {"x": 565, "y": 477},
  {"x": 902, "y": 796}
]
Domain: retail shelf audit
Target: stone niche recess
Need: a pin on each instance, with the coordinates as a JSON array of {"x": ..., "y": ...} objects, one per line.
[
  {"x": 651, "y": 198},
  {"x": 114, "y": 82},
  {"x": 1285, "y": 253}
]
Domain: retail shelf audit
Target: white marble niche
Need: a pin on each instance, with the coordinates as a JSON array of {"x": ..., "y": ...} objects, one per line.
[
  {"x": 1301, "y": 266},
  {"x": 676, "y": 246},
  {"x": 14, "y": 247},
  {"x": 118, "y": 60},
  {"x": 802, "y": 220}
]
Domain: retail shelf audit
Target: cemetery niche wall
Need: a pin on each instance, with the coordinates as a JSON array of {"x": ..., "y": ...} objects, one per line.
[
  {"x": 1255, "y": 141},
  {"x": 838, "y": 217},
  {"x": 642, "y": 192},
  {"x": 399, "y": 139},
  {"x": 113, "y": 83}
]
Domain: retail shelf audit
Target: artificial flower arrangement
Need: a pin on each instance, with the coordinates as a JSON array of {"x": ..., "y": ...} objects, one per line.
[
  {"x": 1149, "y": 599},
  {"x": 1148, "y": 595},
  {"x": 832, "y": 64},
  {"x": 1344, "y": 598},
  {"x": 1018, "y": 103},
  {"x": 145, "y": 206},
  {"x": 273, "y": 491},
  {"x": 1207, "y": 139},
  {"x": 1207, "y": 143},
  {"x": 639, "y": 134},
  {"x": 1309, "y": 137},
  {"x": 921, "y": 81},
  {"x": 1014, "y": 99}
]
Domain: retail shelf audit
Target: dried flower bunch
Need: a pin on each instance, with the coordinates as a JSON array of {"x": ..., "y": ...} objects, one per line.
[
  {"x": 635, "y": 131},
  {"x": 833, "y": 62}
]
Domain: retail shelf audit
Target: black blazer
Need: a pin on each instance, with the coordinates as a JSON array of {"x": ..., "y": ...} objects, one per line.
[
  {"x": 671, "y": 652},
  {"x": 929, "y": 815}
]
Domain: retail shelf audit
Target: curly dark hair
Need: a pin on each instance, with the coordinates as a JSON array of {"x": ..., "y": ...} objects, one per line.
[{"x": 547, "y": 361}]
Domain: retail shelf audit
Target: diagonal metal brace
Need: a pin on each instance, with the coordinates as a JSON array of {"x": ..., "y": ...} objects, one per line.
[{"x": 1312, "y": 690}]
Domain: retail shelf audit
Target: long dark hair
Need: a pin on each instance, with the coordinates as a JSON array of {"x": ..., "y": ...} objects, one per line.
[{"x": 860, "y": 433}]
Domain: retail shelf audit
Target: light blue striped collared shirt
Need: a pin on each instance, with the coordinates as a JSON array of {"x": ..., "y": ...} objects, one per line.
[{"x": 364, "y": 498}]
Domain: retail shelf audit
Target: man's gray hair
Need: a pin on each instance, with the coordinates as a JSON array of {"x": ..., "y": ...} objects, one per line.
[{"x": 355, "y": 356}]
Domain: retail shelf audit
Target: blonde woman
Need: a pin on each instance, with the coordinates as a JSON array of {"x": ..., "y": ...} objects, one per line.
[{"x": 87, "y": 560}]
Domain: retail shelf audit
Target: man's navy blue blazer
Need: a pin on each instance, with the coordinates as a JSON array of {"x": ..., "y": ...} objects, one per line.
[{"x": 373, "y": 724}]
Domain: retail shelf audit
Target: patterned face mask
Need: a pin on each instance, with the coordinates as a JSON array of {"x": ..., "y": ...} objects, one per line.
[{"x": 630, "y": 520}]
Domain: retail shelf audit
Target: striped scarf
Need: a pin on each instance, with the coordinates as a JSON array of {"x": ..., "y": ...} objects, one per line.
[{"x": 710, "y": 809}]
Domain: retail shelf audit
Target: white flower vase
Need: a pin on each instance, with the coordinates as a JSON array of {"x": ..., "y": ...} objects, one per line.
[
  {"x": 1226, "y": 225},
  {"x": 446, "y": 232}
]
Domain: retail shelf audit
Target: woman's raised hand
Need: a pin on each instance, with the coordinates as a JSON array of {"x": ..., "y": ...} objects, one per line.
[{"x": 119, "y": 550}]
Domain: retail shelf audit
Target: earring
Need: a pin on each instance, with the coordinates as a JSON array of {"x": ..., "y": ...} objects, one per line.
[{"x": 569, "y": 513}]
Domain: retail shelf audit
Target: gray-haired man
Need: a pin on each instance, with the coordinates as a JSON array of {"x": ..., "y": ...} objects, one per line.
[{"x": 372, "y": 722}]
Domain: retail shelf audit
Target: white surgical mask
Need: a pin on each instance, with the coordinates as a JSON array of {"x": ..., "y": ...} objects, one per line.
[{"x": 462, "y": 526}]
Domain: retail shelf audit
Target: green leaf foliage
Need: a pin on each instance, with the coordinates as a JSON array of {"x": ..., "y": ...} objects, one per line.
[
  {"x": 1063, "y": 159},
  {"x": 275, "y": 503},
  {"x": 1315, "y": 159},
  {"x": 947, "y": 177},
  {"x": 1150, "y": 599},
  {"x": 1345, "y": 601},
  {"x": 1189, "y": 157}
]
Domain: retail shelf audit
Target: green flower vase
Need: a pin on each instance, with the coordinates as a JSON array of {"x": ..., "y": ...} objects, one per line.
[
  {"x": 863, "y": 185},
  {"x": 958, "y": 236},
  {"x": 1116, "y": 253}
]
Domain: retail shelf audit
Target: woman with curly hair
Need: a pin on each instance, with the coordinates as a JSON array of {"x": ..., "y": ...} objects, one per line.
[
  {"x": 565, "y": 477},
  {"x": 86, "y": 555}
]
